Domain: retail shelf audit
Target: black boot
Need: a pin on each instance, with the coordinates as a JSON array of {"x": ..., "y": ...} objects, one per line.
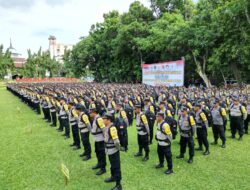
[
  {"x": 180, "y": 156},
  {"x": 169, "y": 171},
  {"x": 223, "y": 145},
  {"x": 214, "y": 143},
  {"x": 97, "y": 166},
  {"x": 86, "y": 158},
  {"x": 159, "y": 166},
  {"x": 199, "y": 149},
  {"x": 190, "y": 160},
  {"x": 117, "y": 187},
  {"x": 206, "y": 153},
  {"x": 138, "y": 154},
  {"x": 101, "y": 171},
  {"x": 109, "y": 180}
]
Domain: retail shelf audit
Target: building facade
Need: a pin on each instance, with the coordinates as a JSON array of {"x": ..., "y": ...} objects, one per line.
[{"x": 57, "y": 50}]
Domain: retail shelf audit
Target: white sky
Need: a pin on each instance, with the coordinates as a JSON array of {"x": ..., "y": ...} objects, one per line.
[{"x": 29, "y": 22}]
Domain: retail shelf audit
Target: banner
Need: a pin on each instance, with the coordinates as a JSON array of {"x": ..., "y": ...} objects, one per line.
[{"x": 166, "y": 73}]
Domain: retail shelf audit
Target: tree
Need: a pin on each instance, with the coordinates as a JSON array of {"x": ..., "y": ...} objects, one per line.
[{"x": 6, "y": 62}]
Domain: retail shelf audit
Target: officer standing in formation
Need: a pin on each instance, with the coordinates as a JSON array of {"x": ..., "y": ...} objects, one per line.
[
  {"x": 107, "y": 117},
  {"x": 219, "y": 116},
  {"x": 112, "y": 146},
  {"x": 142, "y": 132},
  {"x": 187, "y": 130},
  {"x": 237, "y": 116},
  {"x": 164, "y": 138}
]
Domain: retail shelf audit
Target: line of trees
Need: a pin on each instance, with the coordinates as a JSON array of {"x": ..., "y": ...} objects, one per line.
[{"x": 212, "y": 36}]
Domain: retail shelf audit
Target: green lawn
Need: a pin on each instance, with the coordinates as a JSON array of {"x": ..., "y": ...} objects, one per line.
[{"x": 32, "y": 152}]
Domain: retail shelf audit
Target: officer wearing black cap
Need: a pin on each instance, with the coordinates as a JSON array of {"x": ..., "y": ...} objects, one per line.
[
  {"x": 121, "y": 123},
  {"x": 164, "y": 138},
  {"x": 187, "y": 129},
  {"x": 142, "y": 132},
  {"x": 53, "y": 112},
  {"x": 97, "y": 131},
  {"x": 219, "y": 116},
  {"x": 150, "y": 114},
  {"x": 201, "y": 126},
  {"x": 64, "y": 112},
  {"x": 85, "y": 128},
  {"x": 238, "y": 114},
  {"x": 73, "y": 119},
  {"x": 112, "y": 146}
]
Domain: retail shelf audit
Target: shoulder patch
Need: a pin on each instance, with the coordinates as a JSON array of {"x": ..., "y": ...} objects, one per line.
[
  {"x": 113, "y": 133},
  {"x": 144, "y": 119},
  {"x": 203, "y": 116},
  {"x": 167, "y": 130},
  {"x": 85, "y": 119},
  {"x": 100, "y": 123},
  {"x": 191, "y": 119},
  {"x": 65, "y": 106}
]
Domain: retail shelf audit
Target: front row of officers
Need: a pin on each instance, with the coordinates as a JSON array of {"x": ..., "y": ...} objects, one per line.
[{"x": 110, "y": 133}]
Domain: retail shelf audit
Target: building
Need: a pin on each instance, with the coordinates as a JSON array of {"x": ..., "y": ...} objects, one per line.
[
  {"x": 57, "y": 49},
  {"x": 18, "y": 60}
]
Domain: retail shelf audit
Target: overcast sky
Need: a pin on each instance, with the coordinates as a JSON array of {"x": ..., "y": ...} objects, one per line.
[{"x": 29, "y": 22}]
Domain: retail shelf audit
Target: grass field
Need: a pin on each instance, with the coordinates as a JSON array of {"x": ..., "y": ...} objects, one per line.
[{"x": 32, "y": 152}]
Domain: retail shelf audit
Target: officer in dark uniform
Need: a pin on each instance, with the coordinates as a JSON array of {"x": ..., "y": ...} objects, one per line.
[
  {"x": 97, "y": 131},
  {"x": 187, "y": 129},
  {"x": 121, "y": 123},
  {"x": 64, "y": 112},
  {"x": 53, "y": 112},
  {"x": 85, "y": 128},
  {"x": 202, "y": 126},
  {"x": 73, "y": 119},
  {"x": 238, "y": 114},
  {"x": 149, "y": 110},
  {"x": 164, "y": 138},
  {"x": 112, "y": 147},
  {"x": 142, "y": 132}
]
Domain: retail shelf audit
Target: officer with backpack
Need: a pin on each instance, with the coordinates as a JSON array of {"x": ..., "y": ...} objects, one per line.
[
  {"x": 164, "y": 139},
  {"x": 187, "y": 126},
  {"x": 238, "y": 114},
  {"x": 219, "y": 116}
]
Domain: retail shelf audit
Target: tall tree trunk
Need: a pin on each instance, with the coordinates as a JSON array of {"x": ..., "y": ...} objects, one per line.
[
  {"x": 236, "y": 72},
  {"x": 202, "y": 72}
]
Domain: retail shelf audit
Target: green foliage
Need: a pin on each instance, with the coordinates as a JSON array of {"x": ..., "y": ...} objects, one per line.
[
  {"x": 6, "y": 62},
  {"x": 38, "y": 63},
  {"x": 212, "y": 36}
]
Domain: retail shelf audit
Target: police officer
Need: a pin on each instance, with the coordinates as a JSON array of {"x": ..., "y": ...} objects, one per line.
[
  {"x": 97, "y": 131},
  {"x": 121, "y": 122},
  {"x": 150, "y": 113},
  {"x": 53, "y": 112},
  {"x": 112, "y": 147},
  {"x": 73, "y": 119},
  {"x": 219, "y": 116},
  {"x": 85, "y": 128},
  {"x": 187, "y": 129},
  {"x": 237, "y": 116},
  {"x": 64, "y": 112},
  {"x": 201, "y": 125},
  {"x": 164, "y": 138},
  {"x": 142, "y": 132}
]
